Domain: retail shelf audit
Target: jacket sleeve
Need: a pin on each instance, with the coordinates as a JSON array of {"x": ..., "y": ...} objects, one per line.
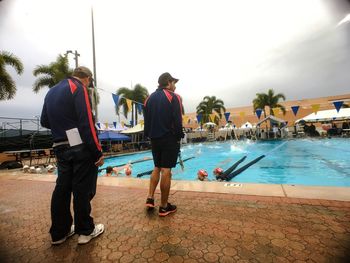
[
  {"x": 86, "y": 124},
  {"x": 44, "y": 120},
  {"x": 177, "y": 115}
]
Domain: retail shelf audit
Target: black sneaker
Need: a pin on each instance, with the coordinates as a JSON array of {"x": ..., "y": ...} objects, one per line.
[
  {"x": 150, "y": 203},
  {"x": 167, "y": 210}
]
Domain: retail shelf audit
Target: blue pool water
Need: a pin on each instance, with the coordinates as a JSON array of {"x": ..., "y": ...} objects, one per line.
[{"x": 322, "y": 162}]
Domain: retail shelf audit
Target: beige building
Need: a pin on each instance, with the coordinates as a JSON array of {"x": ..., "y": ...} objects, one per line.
[{"x": 249, "y": 115}]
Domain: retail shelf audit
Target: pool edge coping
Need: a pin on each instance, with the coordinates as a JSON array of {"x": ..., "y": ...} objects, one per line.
[{"x": 272, "y": 190}]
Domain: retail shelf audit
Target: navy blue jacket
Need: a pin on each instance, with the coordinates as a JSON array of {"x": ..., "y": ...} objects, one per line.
[
  {"x": 163, "y": 115},
  {"x": 67, "y": 106}
]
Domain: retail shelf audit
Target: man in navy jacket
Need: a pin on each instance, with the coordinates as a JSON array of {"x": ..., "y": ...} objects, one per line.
[
  {"x": 67, "y": 112},
  {"x": 163, "y": 125}
]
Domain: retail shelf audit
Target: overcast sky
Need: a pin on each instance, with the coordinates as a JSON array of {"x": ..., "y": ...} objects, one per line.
[{"x": 230, "y": 49}]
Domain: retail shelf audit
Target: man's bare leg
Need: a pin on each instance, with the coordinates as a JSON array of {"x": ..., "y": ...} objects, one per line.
[
  {"x": 154, "y": 180},
  {"x": 165, "y": 184}
]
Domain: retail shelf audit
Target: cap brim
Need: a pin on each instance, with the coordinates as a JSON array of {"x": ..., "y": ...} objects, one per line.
[{"x": 176, "y": 80}]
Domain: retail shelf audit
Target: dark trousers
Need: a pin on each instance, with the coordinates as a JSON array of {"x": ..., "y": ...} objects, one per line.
[{"x": 77, "y": 174}]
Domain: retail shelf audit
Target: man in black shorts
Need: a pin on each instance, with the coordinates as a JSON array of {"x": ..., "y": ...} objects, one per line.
[{"x": 163, "y": 125}]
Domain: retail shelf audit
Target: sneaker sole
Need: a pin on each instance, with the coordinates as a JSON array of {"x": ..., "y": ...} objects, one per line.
[
  {"x": 59, "y": 242},
  {"x": 82, "y": 243},
  {"x": 167, "y": 213}
]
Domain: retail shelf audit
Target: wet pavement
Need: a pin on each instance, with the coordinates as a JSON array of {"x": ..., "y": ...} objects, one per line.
[{"x": 208, "y": 227}]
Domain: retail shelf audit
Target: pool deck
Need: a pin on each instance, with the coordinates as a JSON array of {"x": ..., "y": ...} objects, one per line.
[{"x": 215, "y": 222}]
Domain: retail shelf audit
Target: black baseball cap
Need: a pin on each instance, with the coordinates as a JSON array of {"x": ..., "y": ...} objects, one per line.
[{"x": 165, "y": 78}]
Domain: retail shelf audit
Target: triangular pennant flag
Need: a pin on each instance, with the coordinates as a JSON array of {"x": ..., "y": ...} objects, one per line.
[
  {"x": 199, "y": 118},
  {"x": 185, "y": 118},
  {"x": 212, "y": 117},
  {"x": 242, "y": 114},
  {"x": 129, "y": 104},
  {"x": 227, "y": 116},
  {"x": 338, "y": 104},
  {"x": 258, "y": 113},
  {"x": 122, "y": 123},
  {"x": 116, "y": 99},
  {"x": 315, "y": 108},
  {"x": 295, "y": 110},
  {"x": 131, "y": 123},
  {"x": 115, "y": 124},
  {"x": 139, "y": 107},
  {"x": 106, "y": 125},
  {"x": 276, "y": 111},
  {"x": 98, "y": 125}
]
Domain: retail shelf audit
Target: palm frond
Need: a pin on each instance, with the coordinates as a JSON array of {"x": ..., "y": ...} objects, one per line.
[
  {"x": 43, "y": 82},
  {"x": 10, "y": 59},
  {"x": 7, "y": 86}
]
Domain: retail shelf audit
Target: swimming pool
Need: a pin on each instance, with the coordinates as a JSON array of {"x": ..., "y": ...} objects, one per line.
[{"x": 319, "y": 162}]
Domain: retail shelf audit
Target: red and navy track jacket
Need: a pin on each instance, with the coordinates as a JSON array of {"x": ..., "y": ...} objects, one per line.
[
  {"x": 67, "y": 106},
  {"x": 163, "y": 115}
]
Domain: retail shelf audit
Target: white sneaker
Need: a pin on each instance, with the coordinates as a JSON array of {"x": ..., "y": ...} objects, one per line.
[
  {"x": 99, "y": 228},
  {"x": 71, "y": 233}
]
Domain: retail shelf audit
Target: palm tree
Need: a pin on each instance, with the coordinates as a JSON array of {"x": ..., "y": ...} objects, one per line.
[
  {"x": 138, "y": 94},
  {"x": 208, "y": 105},
  {"x": 260, "y": 102},
  {"x": 52, "y": 73},
  {"x": 269, "y": 99},
  {"x": 7, "y": 85}
]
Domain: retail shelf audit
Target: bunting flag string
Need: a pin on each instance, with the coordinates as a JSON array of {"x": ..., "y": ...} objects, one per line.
[
  {"x": 338, "y": 105},
  {"x": 258, "y": 113},
  {"x": 295, "y": 109},
  {"x": 315, "y": 108},
  {"x": 116, "y": 97}
]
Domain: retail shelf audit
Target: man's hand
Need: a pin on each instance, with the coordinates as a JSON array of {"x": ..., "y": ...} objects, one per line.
[{"x": 100, "y": 162}]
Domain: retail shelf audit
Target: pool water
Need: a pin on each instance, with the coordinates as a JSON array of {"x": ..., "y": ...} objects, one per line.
[{"x": 319, "y": 162}]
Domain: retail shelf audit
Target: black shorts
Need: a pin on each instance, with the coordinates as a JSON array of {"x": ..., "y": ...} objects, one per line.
[{"x": 165, "y": 151}]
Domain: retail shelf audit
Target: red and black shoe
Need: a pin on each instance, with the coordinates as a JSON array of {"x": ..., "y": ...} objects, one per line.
[
  {"x": 150, "y": 203},
  {"x": 167, "y": 210}
]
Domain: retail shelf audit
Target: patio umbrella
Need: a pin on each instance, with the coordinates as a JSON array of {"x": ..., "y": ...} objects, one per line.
[
  {"x": 209, "y": 124},
  {"x": 113, "y": 136}
]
